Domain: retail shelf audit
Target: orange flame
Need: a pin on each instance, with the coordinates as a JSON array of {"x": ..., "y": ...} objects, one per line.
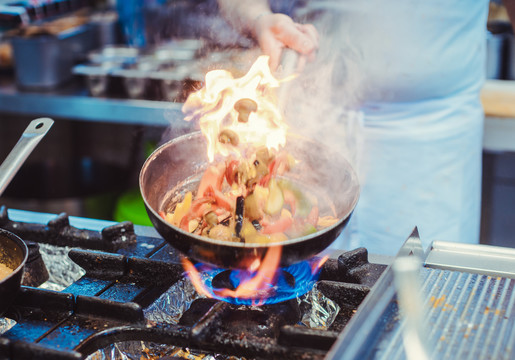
[
  {"x": 214, "y": 107},
  {"x": 255, "y": 288},
  {"x": 316, "y": 265}
]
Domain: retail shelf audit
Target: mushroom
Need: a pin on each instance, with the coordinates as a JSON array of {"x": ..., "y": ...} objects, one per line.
[
  {"x": 244, "y": 107},
  {"x": 227, "y": 136}
]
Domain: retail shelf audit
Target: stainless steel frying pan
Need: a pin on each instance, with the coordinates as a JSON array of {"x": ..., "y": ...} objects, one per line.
[{"x": 179, "y": 164}]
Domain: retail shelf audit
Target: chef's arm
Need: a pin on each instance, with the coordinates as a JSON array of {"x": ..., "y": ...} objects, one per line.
[
  {"x": 510, "y": 8},
  {"x": 273, "y": 32}
]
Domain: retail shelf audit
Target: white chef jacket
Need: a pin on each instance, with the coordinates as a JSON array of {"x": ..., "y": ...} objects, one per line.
[{"x": 418, "y": 67}]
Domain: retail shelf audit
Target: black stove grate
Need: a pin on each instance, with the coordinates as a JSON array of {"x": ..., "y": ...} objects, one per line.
[{"x": 106, "y": 304}]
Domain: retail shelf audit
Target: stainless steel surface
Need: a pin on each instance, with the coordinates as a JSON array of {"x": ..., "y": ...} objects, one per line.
[
  {"x": 470, "y": 308},
  {"x": 74, "y": 103},
  {"x": 114, "y": 53},
  {"x": 32, "y": 135},
  {"x": 489, "y": 260},
  {"x": 46, "y": 61},
  {"x": 76, "y": 221},
  {"x": 471, "y": 317},
  {"x": 359, "y": 338},
  {"x": 406, "y": 273}
]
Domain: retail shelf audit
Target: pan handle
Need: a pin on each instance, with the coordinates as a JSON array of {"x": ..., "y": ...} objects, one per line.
[
  {"x": 32, "y": 135},
  {"x": 288, "y": 67}
]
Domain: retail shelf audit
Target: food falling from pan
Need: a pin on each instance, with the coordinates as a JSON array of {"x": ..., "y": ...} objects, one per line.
[{"x": 245, "y": 194}]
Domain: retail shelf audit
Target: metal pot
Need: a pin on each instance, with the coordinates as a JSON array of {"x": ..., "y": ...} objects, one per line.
[
  {"x": 13, "y": 253},
  {"x": 177, "y": 166}
]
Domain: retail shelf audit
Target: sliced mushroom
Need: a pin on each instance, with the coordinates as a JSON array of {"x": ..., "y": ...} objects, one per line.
[
  {"x": 211, "y": 218},
  {"x": 228, "y": 136}
]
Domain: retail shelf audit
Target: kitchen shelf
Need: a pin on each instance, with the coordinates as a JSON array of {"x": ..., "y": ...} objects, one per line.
[{"x": 73, "y": 102}]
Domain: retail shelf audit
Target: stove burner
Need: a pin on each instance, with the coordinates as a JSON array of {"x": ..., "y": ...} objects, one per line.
[
  {"x": 290, "y": 282},
  {"x": 127, "y": 273},
  {"x": 230, "y": 279}
]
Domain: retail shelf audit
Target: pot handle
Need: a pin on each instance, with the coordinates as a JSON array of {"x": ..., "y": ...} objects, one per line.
[{"x": 32, "y": 135}]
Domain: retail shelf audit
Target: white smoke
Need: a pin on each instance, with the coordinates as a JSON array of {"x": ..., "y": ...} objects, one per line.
[{"x": 324, "y": 100}]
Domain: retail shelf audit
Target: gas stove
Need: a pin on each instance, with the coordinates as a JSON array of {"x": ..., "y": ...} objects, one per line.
[{"x": 131, "y": 291}]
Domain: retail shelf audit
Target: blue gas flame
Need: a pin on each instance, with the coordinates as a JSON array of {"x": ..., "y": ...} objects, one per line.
[{"x": 305, "y": 273}]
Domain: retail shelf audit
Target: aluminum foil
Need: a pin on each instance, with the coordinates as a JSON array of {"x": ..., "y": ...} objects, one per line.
[
  {"x": 139, "y": 350},
  {"x": 62, "y": 273},
  {"x": 170, "y": 306},
  {"x": 6, "y": 324},
  {"x": 61, "y": 269},
  {"x": 318, "y": 311}
]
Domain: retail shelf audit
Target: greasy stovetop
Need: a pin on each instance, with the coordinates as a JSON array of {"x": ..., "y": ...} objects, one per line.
[{"x": 127, "y": 288}]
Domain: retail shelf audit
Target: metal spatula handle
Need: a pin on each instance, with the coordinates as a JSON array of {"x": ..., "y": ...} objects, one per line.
[{"x": 32, "y": 135}]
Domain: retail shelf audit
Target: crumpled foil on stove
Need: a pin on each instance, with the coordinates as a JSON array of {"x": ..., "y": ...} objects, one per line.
[
  {"x": 170, "y": 306},
  {"x": 6, "y": 324},
  {"x": 139, "y": 350},
  {"x": 62, "y": 270},
  {"x": 62, "y": 273},
  {"x": 318, "y": 311}
]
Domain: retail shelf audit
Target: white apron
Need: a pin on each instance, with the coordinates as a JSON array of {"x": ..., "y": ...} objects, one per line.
[{"x": 420, "y": 66}]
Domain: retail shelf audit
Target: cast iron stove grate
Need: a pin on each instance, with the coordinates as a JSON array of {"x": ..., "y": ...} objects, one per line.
[{"x": 126, "y": 272}]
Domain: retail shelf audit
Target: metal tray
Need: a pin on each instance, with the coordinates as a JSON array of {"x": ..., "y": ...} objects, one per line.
[
  {"x": 46, "y": 61},
  {"x": 468, "y": 306}
]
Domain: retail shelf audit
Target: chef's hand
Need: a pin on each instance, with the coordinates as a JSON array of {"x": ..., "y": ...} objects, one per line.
[{"x": 274, "y": 32}]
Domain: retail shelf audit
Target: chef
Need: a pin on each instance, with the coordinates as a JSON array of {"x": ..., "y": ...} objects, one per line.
[{"x": 421, "y": 65}]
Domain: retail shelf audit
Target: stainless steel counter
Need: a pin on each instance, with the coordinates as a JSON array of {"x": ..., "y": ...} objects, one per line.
[{"x": 73, "y": 102}]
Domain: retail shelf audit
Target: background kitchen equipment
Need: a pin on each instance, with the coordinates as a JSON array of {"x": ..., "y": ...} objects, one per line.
[
  {"x": 177, "y": 165},
  {"x": 13, "y": 251},
  {"x": 163, "y": 72},
  {"x": 79, "y": 169},
  {"x": 500, "y": 51},
  {"x": 510, "y": 71},
  {"x": 46, "y": 60},
  {"x": 22, "y": 12}
]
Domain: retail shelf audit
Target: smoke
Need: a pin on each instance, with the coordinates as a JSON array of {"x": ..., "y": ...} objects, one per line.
[{"x": 324, "y": 100}]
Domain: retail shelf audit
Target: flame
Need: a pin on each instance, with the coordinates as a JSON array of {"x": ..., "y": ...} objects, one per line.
[
  {"x": 214, "y": 107},
  {"x": 263, "y": 279},
  {"x": 247, "y": 108},
  {"x": 317, "y": 265},
  {"x": 255, "y": 286}
]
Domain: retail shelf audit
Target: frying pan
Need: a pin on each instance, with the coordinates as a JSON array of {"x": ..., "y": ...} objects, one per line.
[
  {"x": 176, "y": 167},
  {"x": 13, "y": 251}
]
